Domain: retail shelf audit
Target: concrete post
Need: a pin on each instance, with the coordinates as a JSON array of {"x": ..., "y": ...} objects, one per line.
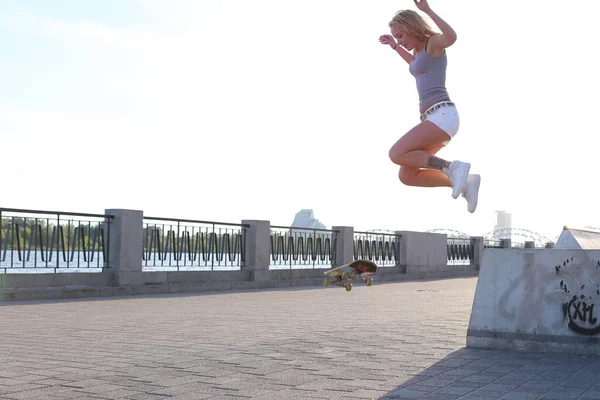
[
  {"x": 344, "y": 245},
  {"x": 505, "y": 243},
  {"x": 258, "y": 249},
  {"x": 478, "y": 246},
  {"x": 423, "y": 251},
  {"x": 530, "y": 245},
  {"x": 126, "y": 244}
]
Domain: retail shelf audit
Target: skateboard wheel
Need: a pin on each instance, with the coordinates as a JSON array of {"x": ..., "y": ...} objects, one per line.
[
  {"x": 348, "y": 287},
  {"x": 369, "y": 281},
  {"x": 327, "y": 282}
]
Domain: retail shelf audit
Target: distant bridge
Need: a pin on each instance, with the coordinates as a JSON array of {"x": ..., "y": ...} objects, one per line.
[
  {"x": 451, "y": 233},
  {"x": 518, "y": 235},
  {"x": 515, "y": 234}
]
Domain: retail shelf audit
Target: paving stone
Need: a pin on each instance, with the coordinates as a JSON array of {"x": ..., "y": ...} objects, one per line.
[{"x": 275, "y": 344}]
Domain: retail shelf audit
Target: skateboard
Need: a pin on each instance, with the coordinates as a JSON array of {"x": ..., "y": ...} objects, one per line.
[{"x": 341, "y": 275}]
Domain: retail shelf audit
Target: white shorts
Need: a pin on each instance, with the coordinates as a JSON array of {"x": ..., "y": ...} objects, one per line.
[{"x": 445, "y": 116}]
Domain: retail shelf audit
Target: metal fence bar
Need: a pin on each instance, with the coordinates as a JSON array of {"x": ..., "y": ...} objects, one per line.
[
  {"x": 491, "y": 244},
  {"x": 65, "y": 213},
  {"x": 293, "y": 247},
  {"x": 193, "y": 221},
  {"x": 27, "y": 245},
  {"x": 192, "y": 244},
  {"x": 381, "y": 248},
  {"x": 459, "y": 251}
]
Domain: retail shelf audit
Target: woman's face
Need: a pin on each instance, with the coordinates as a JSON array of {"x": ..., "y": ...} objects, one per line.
[{"x": 405, "y": 39}]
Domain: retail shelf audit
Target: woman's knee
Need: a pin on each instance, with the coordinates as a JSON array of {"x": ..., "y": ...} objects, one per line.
[
  {"x": 407, "y": 175},
  {"x": 396, "y": 154}
]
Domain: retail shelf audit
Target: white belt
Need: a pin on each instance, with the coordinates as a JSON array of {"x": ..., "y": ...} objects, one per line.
[{"x": 435, "y": 107}]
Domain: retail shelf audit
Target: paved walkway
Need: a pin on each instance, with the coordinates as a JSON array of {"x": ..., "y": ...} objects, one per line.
[{"x": 396, "y": 341}]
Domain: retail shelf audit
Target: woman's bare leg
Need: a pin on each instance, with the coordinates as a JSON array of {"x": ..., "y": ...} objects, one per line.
[
  {"x": 409, "y": 150},
  {"x": 415, "y": 151},
  {"x": 411, "y": 176}
]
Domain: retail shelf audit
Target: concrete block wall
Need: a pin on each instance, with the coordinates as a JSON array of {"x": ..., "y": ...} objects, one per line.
[{"x": 537, "y": 300}]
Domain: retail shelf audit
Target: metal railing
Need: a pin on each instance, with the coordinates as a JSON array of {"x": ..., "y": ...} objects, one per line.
[
  {"x": 460, "y": 251},
  {"x": 292, "y": 247},
  {"x": 492, "y": 244},
  {"x": 182, "y": 244},
  {"x": 53, "y": 241},
  {"x": 381, "y": 248}
]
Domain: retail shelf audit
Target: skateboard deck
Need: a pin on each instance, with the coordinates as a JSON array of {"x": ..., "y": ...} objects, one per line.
[{"x": 342, "y": 275}]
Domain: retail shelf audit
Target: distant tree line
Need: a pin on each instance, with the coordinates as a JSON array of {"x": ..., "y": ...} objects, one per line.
[
  {"x": 26, "y": 233},
  {"x": 158, "y": 239}
]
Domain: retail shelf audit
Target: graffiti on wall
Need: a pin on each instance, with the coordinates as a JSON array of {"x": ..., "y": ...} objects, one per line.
[{"x": 580, "y": 287}]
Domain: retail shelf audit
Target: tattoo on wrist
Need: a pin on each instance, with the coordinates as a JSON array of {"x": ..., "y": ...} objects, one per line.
[
  {"x": 395, "y": 45},
  {"x": 437, "y": 163}
]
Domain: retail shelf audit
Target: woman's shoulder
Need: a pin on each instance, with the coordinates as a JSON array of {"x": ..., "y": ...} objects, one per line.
[{"x": 432, "y": 48}]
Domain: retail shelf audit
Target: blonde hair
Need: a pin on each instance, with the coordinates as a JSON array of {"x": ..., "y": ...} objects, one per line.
[{"x": 413, "y": 23}]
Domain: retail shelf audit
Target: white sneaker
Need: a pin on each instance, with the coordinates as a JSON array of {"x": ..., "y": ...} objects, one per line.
[
  {"x": 471, "y": 191},
  {"x": 458, "y": 172}
]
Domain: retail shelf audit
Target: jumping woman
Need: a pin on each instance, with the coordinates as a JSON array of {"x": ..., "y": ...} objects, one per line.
[{"x": 425, "y": 51}]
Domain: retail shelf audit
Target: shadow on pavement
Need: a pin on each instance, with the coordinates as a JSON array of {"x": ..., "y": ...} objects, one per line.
[{"x": 493, "y": 374}]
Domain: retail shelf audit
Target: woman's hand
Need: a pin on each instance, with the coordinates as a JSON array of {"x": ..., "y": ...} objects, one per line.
[
  {"x": 422, "y": 5},
  {"x": 388, "y": 39}
]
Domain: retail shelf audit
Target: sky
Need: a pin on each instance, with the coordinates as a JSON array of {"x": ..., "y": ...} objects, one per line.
[{"x": 230, "y": 110}]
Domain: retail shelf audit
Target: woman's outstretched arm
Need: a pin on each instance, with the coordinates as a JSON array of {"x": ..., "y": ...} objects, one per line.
[
  {"x": 448, "y": 36},
  {"x": 389, "y": 39}
]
